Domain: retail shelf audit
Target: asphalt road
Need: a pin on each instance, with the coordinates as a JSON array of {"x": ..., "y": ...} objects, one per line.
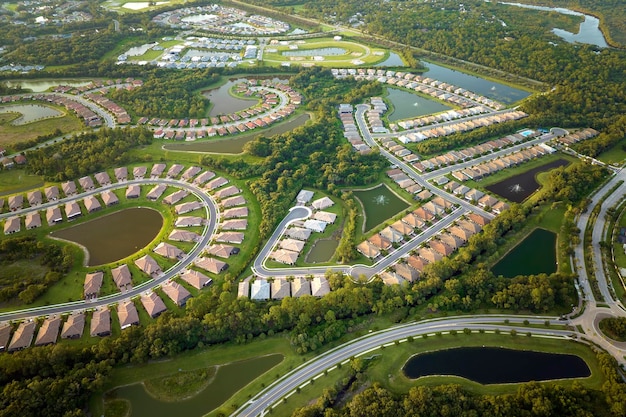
[
  {"x": 315, "y": 367},
  {"x": 209, "y": 229}
]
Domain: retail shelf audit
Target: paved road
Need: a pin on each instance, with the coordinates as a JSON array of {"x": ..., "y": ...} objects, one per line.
[
  {"x": 209, "y": 229},
  {"x": 328, "y": 360},
  {"x": 408, "y": 170}
]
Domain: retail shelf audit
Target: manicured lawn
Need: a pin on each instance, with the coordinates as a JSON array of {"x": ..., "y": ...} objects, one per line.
[
  {"x": 616, "y": 155},
  {"x": 392, "y": 359}
]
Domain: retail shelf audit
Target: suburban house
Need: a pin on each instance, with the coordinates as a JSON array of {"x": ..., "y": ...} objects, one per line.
[
  {"x": 52, "y": 193},
  {"x": 133, "y": 191},
  {"x": 73, "y": 326},
  {"x": 100, "y": 323},
  {"x": 280, "y": 289},
  {"x": 169, "y": 251},
  {"x": 212, "y": 265},
  {"x": 196, "y": 279},
  {"x": 53, "y": 215},
  {"x": 153, "y": 304},
  {"x": 122, "y": 277},
  {"x": 156, "y": 192},
  {"x": 176, "y": 292},
  {"x": 23, "y": 336},
  {"x": 48, "y": 332},
  {"x": 93, "y": 282},
  {"x": 72, "y": 210},
  {"x": 127, "y": 314},
  {"x": 12, "y": 225},
  {"x": 183, "y": 236},
  {"x": 148, "y": 265}
]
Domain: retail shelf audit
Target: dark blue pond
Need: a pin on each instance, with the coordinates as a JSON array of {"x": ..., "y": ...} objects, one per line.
[{"x": 489, "y": 365}]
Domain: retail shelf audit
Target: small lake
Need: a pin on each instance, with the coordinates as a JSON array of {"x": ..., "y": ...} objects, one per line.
[
  {"x": 322, "y": 251},
  {"x": 496, "y": 91},
  {"x": 228, "y": 380},
  {"x": 394, "y": 60},
  {"x": 235, "y": 145},
  {"x": 491, "y": 365},
  {"x": 222, "y": 102},
  {"x": 30, "y": 113},
  {"x": 380, "y": 204},
  {"x": 536, "y": 254},
  {"x": 331, "y": 51},
  {"x": 408, "y": 105},
  {"x": 588, "y": 32},
  {"x": 519, "y": 187},
  {"x": 38, "y": 86},
  {"x": 115, "y": 236}
]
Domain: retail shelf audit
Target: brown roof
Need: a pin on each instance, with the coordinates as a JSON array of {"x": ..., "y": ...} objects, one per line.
[
  {"x": 169, "y": 251},
  {"x": 478, "y": 219},
  {"x": 100, "y": 323},
  {"x": 407, "y": 272},
  {"x": 121, "y": 276},
  {"x": 416, "y": 262},
  {"x": 74, "y": 326},
  {"x": 300, "y": 286},
  {"x": 175, "y": 197},
  {"x": 49, "y": 331},
  {"x": 379, "y": 241},
  {"x": 153, "y": 304},
  {"x": 176, "y": 292},
  {"x": 440, "y": 247},
  {"x": 93, "y": 282},
  {"x": 196, "y": 279},
  {"x": 32, "y": 220},
  {"x": 368, "y": 249},
  {"x": 148, "y": 265},
  {"x": 211, "y": 264},
  {"x": 23, "y": 336},
  {"x": 222, "y": 251},
  {"x": 127, "y": 314},
  {"x": 5, "y": 335}
]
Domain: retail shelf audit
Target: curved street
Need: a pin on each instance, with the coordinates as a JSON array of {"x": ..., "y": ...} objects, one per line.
[{"x": 210, "y": 227}]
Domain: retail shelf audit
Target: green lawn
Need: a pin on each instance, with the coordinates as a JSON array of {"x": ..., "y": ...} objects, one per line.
[
  {"x": 17, "y": 180},
  {"x": 616, "y": 155},
  {"x": 392, "y": 359}
]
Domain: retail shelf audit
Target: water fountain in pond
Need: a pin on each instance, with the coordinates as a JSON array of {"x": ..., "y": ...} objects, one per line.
[
  {"x": 381, "y": 200},
  {"x": 516, "y": 188}
]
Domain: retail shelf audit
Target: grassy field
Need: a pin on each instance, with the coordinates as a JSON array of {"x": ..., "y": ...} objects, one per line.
[
  {"x": 616, "y": 155},
  {"x": 17, "y": 180},
  {"x": 353, "y": 51},
  {"x": 12, "y": 134}
]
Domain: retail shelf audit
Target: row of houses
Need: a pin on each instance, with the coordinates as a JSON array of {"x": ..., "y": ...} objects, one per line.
[
  {"x": 89, "y": 116},
  {"x": 255, "y": 117},
  {"x": 481, "y": 199},
  {"x": 294, "y": 238},
  {"x": 460, "y": 126},
  {"x": 462, "y": 155},
  {"x": 373, "y": 116},
  {"x": 487, "y": 168},
  {"x": 404, "y": 229},
  {"x": 576, "y": 137},
  {"x": 435, "y": 88},
  {"x": 51, "y": 328},
  {"x": 350, "y": 129},
  {"x": 8, "y": 163},
  {"x": 128, "y": 83},
  {"x": 438, "y": 118},
  {"x": 408, "y": 184},
  {"x": 121, "y": 115},
  {"x": 261, "y": 289},
  {"x": 410, "y": 268}
]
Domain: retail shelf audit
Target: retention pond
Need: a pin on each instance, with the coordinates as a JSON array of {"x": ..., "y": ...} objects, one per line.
[
  {"x": 534, "y": 255},
  {"x": 115, "y": 236},
  {"x": 491, "y": 365},
  {"x": 379, "y": 204},
  {"x": 520, "y": 187},
  {"x": 227, "y": 381}
]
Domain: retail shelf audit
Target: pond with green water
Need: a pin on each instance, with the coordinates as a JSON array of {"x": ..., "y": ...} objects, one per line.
[
  {"x": 322, "y": 251},
  {"x": 407, "y": 105},
  {"x": 536, "y": 254},
  {"x": 228, "y": 380},
  {"x": 379, "y": 204}
]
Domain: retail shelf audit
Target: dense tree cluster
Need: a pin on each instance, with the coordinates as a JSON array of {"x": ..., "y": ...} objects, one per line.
[
  {"x": 572, "y": 183},
  {"x": 315, "y": 155},
  {"x": 86, "y": 153},
  {"x": 24, "y": 282},
  {"x": 168, "y": 94},
  {"x": 614, "y": 327},
  {"x": 530, "y": 400}
]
